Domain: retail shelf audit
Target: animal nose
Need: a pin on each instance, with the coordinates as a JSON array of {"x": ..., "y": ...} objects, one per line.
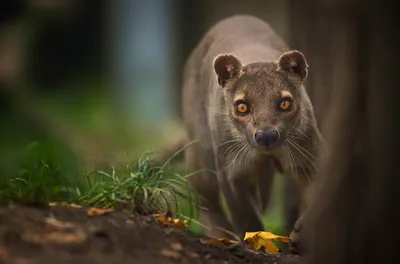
[{"x": 266, "y": 138}]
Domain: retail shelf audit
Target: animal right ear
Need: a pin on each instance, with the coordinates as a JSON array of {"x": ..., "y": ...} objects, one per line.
[
  {"x": 295, "y": 63},
  {"x": 226, "y": 66}
]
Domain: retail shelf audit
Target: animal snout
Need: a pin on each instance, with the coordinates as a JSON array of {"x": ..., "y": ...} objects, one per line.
[{"x": 266, "y": 138}]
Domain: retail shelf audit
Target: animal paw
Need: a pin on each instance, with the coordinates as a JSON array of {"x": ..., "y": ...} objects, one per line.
[{"x": 294, "y": 237}]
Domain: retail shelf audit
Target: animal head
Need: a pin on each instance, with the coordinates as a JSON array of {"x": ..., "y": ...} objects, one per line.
[{"x": 263, "y": 99}]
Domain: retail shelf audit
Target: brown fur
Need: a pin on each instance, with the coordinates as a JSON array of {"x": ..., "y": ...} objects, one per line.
[{"x": 243, "y": 58}]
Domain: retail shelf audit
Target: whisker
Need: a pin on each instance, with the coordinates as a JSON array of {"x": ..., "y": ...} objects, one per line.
[
  {"x": 248, "y": 153},
  {"x": 237, "y": 154},
  {"x": 303, "y": 149},
  {"x": 229, "y": 141},
  {"x": 304, "y": 170},
  {"x": 293, "y": 164},
  {"x": 232, "y": 148},
  {"x": 295, "y": 136},
  {"x": 298, "y": 130},
  {"x": 301, "y": 152},
  {"x": 242, "y": 154}
]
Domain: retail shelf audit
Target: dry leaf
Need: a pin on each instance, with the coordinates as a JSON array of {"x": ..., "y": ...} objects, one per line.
[
  {"x": 258, "y": 239},
  {"x": 215, "y": 242},
  {"x": 99, "y": 211},
  {"x": 193, "y": 255},
  {"x": 176, "y": 246},
  {"x": 167, "y": 220},
  {"x": 74, "y": 237},
  {"x": 61, "y": 238},
  {"x": 163, "y": 219},
  {"x": 219, "y": 243},
  {"x": 56, "y": 224},
  {"x": 228, "y": 241},
  {"x": 75, "y": 205},
  {"x": 179, "y": 223},
  {"x": 170, "y": 254}
]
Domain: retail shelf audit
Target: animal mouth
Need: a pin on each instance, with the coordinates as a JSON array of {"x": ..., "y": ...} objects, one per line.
[{"x": 264, "y": 149}]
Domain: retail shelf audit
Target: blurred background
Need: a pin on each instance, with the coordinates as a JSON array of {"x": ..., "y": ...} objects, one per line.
[
  {"x": 88, "y": 73},
  {"x": 98, "y": 82}
]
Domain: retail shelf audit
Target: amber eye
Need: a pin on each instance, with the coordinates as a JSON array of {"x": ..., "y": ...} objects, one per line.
[
  {"x": 285, "y": 104},
  {"x": 242, "y": 108}
]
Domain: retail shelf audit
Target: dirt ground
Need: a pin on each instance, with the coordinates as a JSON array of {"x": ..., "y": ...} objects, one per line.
[{"x": 64, "y": 234}]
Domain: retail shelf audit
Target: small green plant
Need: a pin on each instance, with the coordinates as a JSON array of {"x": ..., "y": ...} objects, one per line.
[
  {"x": 40, "y": 178},
  {"x": 141, "y": 187},
  {"x": 46, "y": 175}
]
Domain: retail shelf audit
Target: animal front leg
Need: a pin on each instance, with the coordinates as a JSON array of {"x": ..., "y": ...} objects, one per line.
[
  {"x": 295, "y": 245},
  {"x": 244, "y": 214}
]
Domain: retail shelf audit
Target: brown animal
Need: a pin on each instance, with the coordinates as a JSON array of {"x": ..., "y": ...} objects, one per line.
[{"x": 245, "y": 103}]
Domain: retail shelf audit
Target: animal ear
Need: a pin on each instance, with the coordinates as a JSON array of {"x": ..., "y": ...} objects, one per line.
[
  {"x": 294, "y": 62},
  {"x": 226, "y": 66}
]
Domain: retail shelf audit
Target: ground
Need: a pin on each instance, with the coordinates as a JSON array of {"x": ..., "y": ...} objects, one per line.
[{"x": 65, "y": 234}]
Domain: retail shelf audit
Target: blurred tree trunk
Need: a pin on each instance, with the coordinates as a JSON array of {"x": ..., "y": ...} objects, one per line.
[
  {"x": 314, "y": 27},
  {"x": 313, "y": 30},
  {"x": 188, "y": 31},
  {"x": 351, "y": 46}
]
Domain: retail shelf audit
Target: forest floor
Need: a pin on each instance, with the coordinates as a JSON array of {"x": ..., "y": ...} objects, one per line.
[{"x": 68, "y": 234}]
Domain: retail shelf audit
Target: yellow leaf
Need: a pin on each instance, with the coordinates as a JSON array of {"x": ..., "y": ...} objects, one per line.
[
  {"x": 179, "y": 223},
  {"x": 163, "y": 219},
  {"x": 258, "y": 239},
  {"x": 167, "y": 220}
]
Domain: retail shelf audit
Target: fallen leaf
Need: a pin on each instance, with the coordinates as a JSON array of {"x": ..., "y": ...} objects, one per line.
[
  {"x": 193, "y": 255},
  {"x": 62, "y": 238},
  {"x": 54, "y": 223},
  {"x": 228, "y": 241},
  {"x": 170, "y": 254},
  {"x": 260, "y": 239},
  {"x": 57, "y": 204},
  {"x": 213, "y": 242},
  {"x": 176, "y": 246},
  {"x": 167, "y": 220},
  {"x": 163, "y": 219},
  {"x": 99, "y": 211},
  {"x": 75, "y": 237},
  {"x": 75, "y": 205},
  {"x": 65, "y": 204},
  {"x": 130, "y": 222},
  {"x": 179, "y": 223}
]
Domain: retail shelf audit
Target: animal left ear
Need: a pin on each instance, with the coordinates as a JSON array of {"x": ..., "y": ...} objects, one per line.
[
  {"x": 226, "y": 66},
  {"x": 295, "y": 63}
]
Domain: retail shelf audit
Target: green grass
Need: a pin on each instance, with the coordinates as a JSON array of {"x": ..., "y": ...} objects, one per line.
[
  {"x": 43, "y": 175},
  {"x": 140, "y": 186}
]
